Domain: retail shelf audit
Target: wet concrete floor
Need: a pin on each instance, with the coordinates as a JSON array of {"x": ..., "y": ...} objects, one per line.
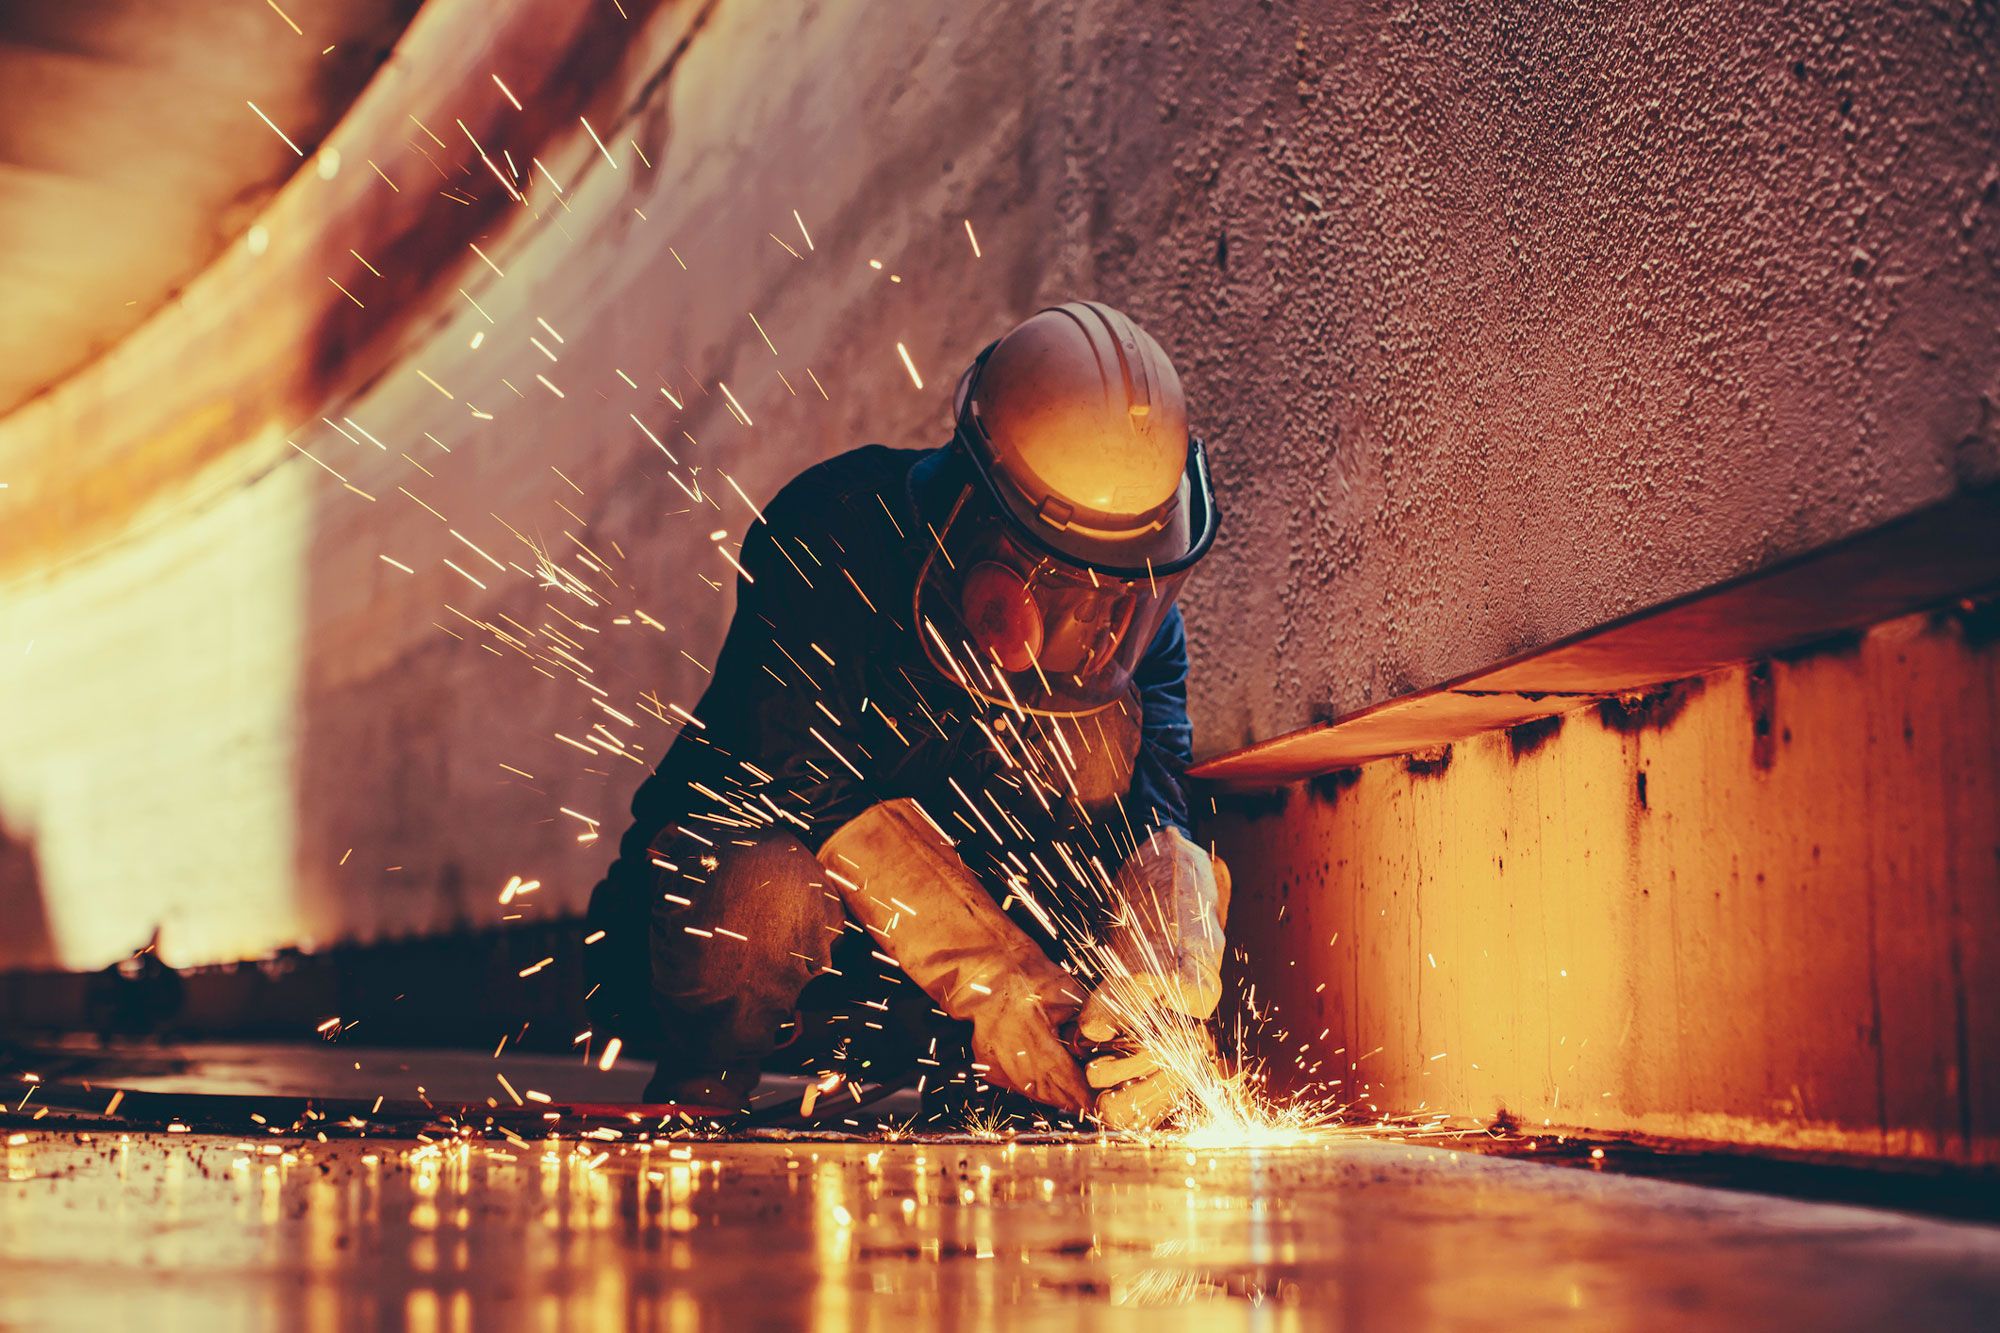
[{"x": 168, "y": 1231}]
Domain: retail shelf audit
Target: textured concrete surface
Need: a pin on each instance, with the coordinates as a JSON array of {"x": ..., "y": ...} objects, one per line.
[
  {"x": 1501, "y": 323},
  {"x": 1762, "y": 907},
  {"x": 1536, "y": 315},
  {"x": 180, "y": 1232}
]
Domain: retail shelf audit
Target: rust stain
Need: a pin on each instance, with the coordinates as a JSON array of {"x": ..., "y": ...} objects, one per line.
[
  {"x": 1761, "y": 685},
  {"x": 1528, "y": 737},
  {"x": 1327, "y": 787},
  {"x": 1650, "y": 710},
  {"x": 1428, "y": 763}
]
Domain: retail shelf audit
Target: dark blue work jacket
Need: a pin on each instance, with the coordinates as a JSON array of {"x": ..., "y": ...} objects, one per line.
[{"x": 823, "y": 703}]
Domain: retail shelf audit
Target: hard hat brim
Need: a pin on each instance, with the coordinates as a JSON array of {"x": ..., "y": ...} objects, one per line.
[{"x": 1178, "y": 545}]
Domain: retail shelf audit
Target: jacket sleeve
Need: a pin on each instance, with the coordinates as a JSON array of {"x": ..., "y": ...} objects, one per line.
[
  {"x": 1158, "y": 796},
  {"x": 750, "y": 762},
  {"x": 787, "y": 654}
]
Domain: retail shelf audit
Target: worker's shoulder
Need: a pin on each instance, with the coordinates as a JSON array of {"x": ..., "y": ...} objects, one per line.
[{"x": 831, "y": 493}]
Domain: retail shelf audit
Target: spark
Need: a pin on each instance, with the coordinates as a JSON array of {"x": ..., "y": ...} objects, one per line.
[
  {"x": 974, "y": 239},
  {"x": 489, "y": 263},
  {"x": 600, "y": 144},
  {"x": 736, "y": 564},
  {"x": 508, "y": 93},
  {"x": 857, "y": 589},
  {"x": 735, "y": 406},
  {"x": 434, "y": 384},
  {"x": 336, "y": 476},
  {"x": 743, "y": 497},
  {"x": 802, "y": 228},
  {"x": 434, "y": 513},
  {"x": 835, "y": 753},
  {"x": 611, "y": 1050},
  {"x": 468, "y": 578},
  {"x": 654, "y": 438},
  {"x": 908, "y": 365},
  {"x": 498, "y": 174},
  {"x": 286, "y": 17},
  {"x": 275, "y": 130}
]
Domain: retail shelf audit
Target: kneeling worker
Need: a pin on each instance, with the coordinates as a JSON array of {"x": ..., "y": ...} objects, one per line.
[{"x": 951, "y": 713}]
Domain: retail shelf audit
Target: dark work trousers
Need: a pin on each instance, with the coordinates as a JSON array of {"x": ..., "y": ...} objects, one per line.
[{"x": 756, "y": 965}]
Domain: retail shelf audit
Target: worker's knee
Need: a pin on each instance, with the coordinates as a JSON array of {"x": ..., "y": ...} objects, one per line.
[{"x": 731, "y": 915}]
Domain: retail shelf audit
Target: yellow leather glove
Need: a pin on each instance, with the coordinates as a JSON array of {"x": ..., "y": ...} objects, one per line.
[
  {"x": 902, "y": 879},
  {"x": 1163, "y": 980}
]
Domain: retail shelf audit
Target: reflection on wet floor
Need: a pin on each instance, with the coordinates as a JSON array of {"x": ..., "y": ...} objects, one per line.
[{"x": 184, "y": 1231}]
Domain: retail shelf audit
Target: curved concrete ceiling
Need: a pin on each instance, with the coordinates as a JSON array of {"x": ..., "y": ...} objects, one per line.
[{"x": 129, "y": 156}]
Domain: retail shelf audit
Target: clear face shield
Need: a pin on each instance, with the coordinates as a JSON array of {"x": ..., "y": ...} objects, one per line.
[
  {"x": 1019, "y": 621},
  {"x": 1016, "y": 625}
]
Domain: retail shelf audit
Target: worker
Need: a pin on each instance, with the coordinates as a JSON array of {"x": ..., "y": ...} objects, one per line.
[{"x": 947, "y": 732}]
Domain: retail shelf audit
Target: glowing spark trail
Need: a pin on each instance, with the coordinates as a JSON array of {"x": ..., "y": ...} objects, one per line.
[
  {"x": 600, "y": 144},
  {"x": 275, "y": 130}
]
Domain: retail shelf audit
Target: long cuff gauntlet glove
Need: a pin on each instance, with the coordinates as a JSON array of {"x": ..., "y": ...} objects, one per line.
[
  {"x": 901, "y": 880},
  {"x": 1163, "y": 980}
]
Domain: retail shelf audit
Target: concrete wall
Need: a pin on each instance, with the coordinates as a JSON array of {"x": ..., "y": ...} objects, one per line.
[
  {"x": 1761, "y": 907},
  {"x": 1502, "y": 321}
]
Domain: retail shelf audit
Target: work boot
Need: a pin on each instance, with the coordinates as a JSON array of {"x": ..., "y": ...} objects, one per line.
[{"x": 716, "y": 1096}]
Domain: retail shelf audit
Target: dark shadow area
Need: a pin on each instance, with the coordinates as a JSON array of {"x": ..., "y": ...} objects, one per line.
[
  {"x": 138, "y": 997},
  {"x": 1920, "y": 1188},
  {"x": 463, "y": 988},
  {"x": 26, "y": 939}
]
